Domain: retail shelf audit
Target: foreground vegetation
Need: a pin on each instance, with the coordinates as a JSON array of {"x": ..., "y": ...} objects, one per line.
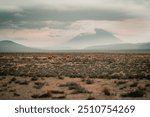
[{"x": 74, "y": 76}]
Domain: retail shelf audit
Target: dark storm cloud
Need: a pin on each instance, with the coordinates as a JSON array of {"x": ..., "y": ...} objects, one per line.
[
  {"x": 41, "y": 14},
  {"x": 35, "y": 17}
]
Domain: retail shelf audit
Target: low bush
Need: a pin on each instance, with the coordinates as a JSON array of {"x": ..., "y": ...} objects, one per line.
[
  {"x": 106, "y": 91},
  {"x": 135, "y": 93}
]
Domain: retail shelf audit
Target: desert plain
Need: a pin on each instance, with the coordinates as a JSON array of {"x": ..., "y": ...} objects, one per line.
[{"x": 74, "y": 76}]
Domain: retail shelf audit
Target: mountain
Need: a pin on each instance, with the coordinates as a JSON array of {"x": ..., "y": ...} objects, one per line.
[
  {"x": 123, "y": 46},
  {"x": 100, "y": 37},
  {"x": 10, "y": 46}
]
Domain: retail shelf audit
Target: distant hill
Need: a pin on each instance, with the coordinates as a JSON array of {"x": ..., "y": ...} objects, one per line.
[
  {"x": 123, "y": 46},
  {"x": 100, "y": 37},
  {"x": 10, "y": 46}
]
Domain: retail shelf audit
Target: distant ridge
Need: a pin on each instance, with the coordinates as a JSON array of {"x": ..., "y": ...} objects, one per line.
[
  {"x": 10, "y": 46},
  {"x": 123, "y": 46}
]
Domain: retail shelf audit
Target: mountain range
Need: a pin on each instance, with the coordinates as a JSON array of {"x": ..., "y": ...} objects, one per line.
[
  {"x": 10, "y": 46},
  {"x": 122, "y": 46}
]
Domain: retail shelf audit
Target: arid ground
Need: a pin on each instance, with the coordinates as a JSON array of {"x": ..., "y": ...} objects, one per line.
[{"x": 74, "y": 76}]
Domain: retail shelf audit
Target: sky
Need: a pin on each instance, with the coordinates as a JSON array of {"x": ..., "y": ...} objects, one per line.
[{"x": 47, "y": 23}]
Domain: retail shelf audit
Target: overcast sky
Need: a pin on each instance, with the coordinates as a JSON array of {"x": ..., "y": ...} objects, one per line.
[{"x": 42, "y": 23}]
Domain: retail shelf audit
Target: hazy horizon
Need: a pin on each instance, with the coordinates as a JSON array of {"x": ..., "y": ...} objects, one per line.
[{"x": 74, "y": 23}]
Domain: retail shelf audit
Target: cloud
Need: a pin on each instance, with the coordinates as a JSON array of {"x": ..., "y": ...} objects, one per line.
[
  {"x": 10, "y": 8},
  {"x": 78, "y": 4},
  {"x": 126, "y": 30},
  {"x": 99, "y": 37},
  {"x": 52, "y": 22},
  {"x": 34, "y": 13},
  {"x": 36, "y": 18},
  {"x": 90, "y": 14}
]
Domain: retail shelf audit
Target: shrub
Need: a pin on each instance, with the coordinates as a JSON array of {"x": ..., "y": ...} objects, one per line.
[
  {"x": 147, "y": 85},
  {"x": 16, "y": 94},
  {"x": 70, "y": 85},
  {"x": 120, "y": 82},
  {"x": 39, "y": 85},
  {"x": 60, "y": 77},
  {"x": 79, "y": 89},
  {"x": 59, "y": 97},
  {"x": 57, "y": 92},
  {"x": 34, "y": 78},
  {"x": 45, "y": 95},
  {"x": 135, "y": 93},
  {"x": 91, "y": 97},
  {"x": 89, "y": 81},
  {"x": 24, "y": 82},
  {"x": 76, "y": 87},
  {"x": 35, "y": 96},
  {"x": 12, "y": 80},
  {"x": 106, "y": 91},
  {"x": 134, "y": 84}
]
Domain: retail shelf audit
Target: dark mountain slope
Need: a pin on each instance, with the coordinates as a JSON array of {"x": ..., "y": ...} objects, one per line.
[{"x": 10, "y": 46}]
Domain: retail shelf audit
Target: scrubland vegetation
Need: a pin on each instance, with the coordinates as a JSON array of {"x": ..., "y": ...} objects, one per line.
[{"x": 74, "y": 76}]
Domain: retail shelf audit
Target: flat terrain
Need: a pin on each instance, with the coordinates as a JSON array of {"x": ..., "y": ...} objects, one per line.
[{"x": 74, "y": 76}]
